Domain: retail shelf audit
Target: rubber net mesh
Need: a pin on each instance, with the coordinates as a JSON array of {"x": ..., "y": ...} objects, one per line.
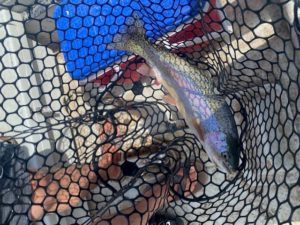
[{"x": 86, "y": 137}]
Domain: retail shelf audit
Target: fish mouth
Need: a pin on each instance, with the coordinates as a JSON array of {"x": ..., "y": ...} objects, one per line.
[
  {"x": 219, "y": 152},
  {"x": 219, "y": 161},
  {"x": 229, "y": 168},
  {"x": 223, "y": 166}
]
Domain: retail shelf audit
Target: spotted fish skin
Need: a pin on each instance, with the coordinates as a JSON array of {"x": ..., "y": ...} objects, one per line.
[{"x": 208, "y": 116}]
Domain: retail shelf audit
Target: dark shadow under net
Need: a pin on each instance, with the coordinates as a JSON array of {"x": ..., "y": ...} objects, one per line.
[{"x": 111, "y": 151}]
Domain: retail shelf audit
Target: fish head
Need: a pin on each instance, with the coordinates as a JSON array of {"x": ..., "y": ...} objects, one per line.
[{"x": 222, "y": 150}]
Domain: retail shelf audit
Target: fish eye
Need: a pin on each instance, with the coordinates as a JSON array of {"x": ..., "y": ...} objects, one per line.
[{"x": 225, "y": 155}]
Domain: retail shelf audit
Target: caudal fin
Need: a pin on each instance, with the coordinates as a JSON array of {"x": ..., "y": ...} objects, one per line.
[{"x": 131, "y": 39}]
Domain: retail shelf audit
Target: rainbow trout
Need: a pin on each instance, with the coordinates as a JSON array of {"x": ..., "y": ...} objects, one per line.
[{"x": 206, "y": 114}]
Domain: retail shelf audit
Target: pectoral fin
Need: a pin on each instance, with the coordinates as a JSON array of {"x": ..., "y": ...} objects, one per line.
[
  {"x": 169, "y": 99},
  {"x": 199, "y": 129}
]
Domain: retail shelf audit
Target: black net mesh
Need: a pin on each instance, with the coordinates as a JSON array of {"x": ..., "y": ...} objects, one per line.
[{"x": 88, "y": 138}]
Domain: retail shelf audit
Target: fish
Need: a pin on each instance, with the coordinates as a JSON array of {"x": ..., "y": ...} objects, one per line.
[{"x": 207, "y": 115}]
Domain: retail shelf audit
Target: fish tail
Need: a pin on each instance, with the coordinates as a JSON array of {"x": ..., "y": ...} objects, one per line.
[{"x": 133, "y": 40}]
